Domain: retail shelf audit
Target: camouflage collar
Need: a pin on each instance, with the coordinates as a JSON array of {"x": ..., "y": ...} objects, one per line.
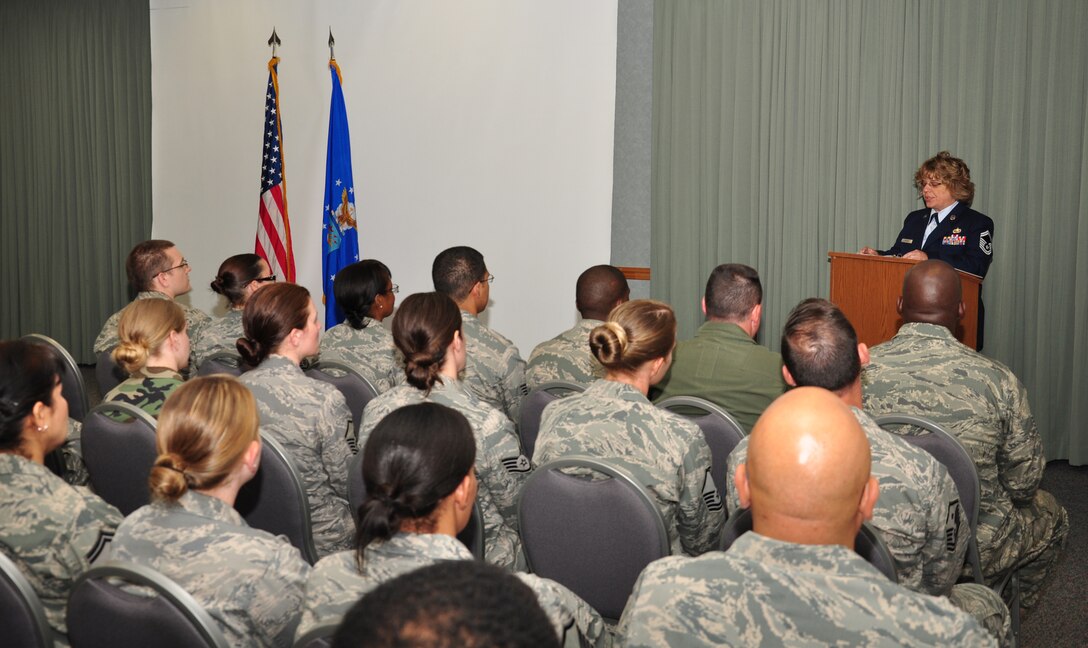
[
  {"x": 158, "y": 373},
  {"x": 280, "y": 364},
  {"x": 790, "y": 557},
  {"x": 209, "y": 507},
  {"x": 435, "y": 546},
  {"x": 617, "y": 390},
  {"x": 152, "y": 294},
  {"x": 924, "y": 329}
]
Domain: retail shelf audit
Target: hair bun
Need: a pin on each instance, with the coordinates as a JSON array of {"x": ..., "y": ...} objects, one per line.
[
  {"x": 608, "y": 342},
  {"x": 168, "y": 479},
  {"x": 250, "y": 350},
  {"x": 217, "y": 284}
]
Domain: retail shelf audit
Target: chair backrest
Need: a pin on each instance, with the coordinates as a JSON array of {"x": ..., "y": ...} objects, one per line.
[
  {"x": 319, "y": 636},
  {"x": 532, "y": 408},
  {"x": 101, "y": 614},
  {"x": 108, "y": 373},
  {"x": 71, "y": 383},
  {"x": 594, "y": 536},
  {"x": 357, "y": 390},
  {"x": 720, "y": 429},
  {"x": 472, "y": 536},
  {"x": 22, "y": 616},
  {"x": 119, "y": 453},
  {"x": 867, "y": 543},
  {"x": 223, "y": 362},
  {"x": 948, "y": 450},
  {"x": 275, "y": 499}
]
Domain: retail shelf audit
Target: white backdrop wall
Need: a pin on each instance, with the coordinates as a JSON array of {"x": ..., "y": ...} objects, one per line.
[{"x": 479, "y": 122}]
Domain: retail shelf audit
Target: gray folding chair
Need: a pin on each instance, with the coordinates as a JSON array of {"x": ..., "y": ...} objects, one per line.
[
  {"x": 594, "y": 536},
  {"x": 472, "y": 536},
  {"x": 720, "y": 429},
  {"x": 275, "y": 499},
  {"x": 357, "y": 390},
  {"x": 867, "y": 543},
  {"x": 119, "y": 451},
  {"x": 532, "y": 408},
  {"x": 948, "y": 450},
  {"x": 22, "y": 616},
  {"x": 103, "y": 614},
  {"x": 223, "y": 362},
  {"x": 71, "y": 383},
  {"x": 108, "y": 373}
]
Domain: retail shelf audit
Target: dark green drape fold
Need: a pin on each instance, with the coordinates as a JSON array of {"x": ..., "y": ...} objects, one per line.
[
  {"x": 784, "y": 129},
  {"x": 75, "y": 162}
]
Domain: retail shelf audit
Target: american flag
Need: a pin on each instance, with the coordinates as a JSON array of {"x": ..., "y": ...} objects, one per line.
[{"x": 273, "y": 227}]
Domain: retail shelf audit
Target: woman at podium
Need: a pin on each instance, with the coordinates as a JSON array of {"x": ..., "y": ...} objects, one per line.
[{"x": 947, "y": 229}]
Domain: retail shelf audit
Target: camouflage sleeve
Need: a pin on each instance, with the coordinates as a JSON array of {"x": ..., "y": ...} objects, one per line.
[
  {"x": 986, "y": 607},
  {"x": 502, "y": 469},
  {"x": 736, "y": 458},
  {"x": 107, "y": 337},
  {"x": 947, "y": 531},
  {"x": 277, "y": 602},
  {"x": 502, "y": 546},
  {"x": 335, "y": 426},
  {"x": 1020, "y": 459},
  {"x": 513, "y": 384},
  {"x": 701, "y": 514},
  {"x": 93, "y": 527},
  {"x": 576, "y": 623}
]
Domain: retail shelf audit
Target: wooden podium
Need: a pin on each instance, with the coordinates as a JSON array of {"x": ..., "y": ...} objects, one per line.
[{"x": 867, "y": 288}]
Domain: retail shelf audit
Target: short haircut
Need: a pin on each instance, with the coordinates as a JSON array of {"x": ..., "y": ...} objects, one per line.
[
  {"x": 235, "y": 274},
  {"x": 598, "y": 289},
  {"x": 820, "y": 347},
  {"x": 453, "y": 603},
  {"x": 732, "y": 291},
  {"x": 952, "y": 171},
  {"x": 357, "y": 286},
  {"x": 29, "y": 371},
  {"x": 636, "y": 332},
  {"x": 270, "y": 315},
  {"x": 145, "y": 261},
  {"x": 456, "y": 270}
]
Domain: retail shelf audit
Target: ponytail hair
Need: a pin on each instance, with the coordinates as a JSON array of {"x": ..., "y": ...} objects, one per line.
[
  {"x": 423, "y": 328},
  {"x": 29, "y": 371},
  {"x": 235, "y": 274},
  {"x": 415, "y": 457},
  {"x": 636, "y": 332},
  {"x": 144, "y": 326},
  {"x": 270, "y": 315},
  {"x": 204, "y": 429}
]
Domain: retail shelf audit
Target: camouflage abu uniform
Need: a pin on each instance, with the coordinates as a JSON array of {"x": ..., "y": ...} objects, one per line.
[
  {"x": 565, "y": 357},
  {"x": 369, "y": 350},
  {"x": 919, "y": 517},
  {"x": 923, "y": 370},
  {"x": 500, "y": 467},
  {"x": 250, "y": 581},
  {"x": 53, "y": 531},
  {"x": 666, "y": 453},
  {"x": 217, "y": 334},
  {"x": 146, "y": 389},
  {"x": 107, "y": 338},
  {"x": 766, "y": 592},
  {"x": 310, "y": 418},
  {"x": 337, "y": 582},
  {"x": 494, "y": 370}
]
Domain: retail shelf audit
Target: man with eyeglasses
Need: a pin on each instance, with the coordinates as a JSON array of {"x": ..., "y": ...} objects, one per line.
[
  {"x": 156, "y": 269},
  {"x": 494, "y": 371}
]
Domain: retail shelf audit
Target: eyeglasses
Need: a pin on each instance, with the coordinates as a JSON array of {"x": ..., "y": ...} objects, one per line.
[
  {"x": 490, "y": 278},
  {"x": 184, "y": 264},
  {"x": 393, "y": 288},
  {"x": 271, "y": 277}
]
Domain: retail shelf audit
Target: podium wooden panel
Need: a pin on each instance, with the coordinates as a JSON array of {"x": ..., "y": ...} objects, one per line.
[{"x": 867, "y": 288}]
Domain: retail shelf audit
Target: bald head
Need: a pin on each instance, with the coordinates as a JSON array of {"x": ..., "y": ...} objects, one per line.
[
  {"x": 599, "y": 290},
  {"x": 932, "y": 294},
  {"x": 807, "y": 474}
]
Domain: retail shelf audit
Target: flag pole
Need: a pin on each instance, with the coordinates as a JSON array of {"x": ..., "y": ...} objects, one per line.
[{"x": 274, "y": 41}]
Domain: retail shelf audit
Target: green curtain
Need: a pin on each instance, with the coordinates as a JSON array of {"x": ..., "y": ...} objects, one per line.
[
  {"x": 75, "y": 162},
  {"x": 784, "y": 129}
]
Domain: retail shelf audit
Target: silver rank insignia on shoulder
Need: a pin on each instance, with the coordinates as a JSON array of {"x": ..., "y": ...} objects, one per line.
[{"x": 985, "y": 243}]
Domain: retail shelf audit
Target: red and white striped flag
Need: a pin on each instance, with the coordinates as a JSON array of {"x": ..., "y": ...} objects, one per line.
[{"x": 273, "y": 227}]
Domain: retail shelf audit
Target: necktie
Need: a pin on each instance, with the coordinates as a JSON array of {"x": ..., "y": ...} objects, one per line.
[{"x": 930, "y": 227}]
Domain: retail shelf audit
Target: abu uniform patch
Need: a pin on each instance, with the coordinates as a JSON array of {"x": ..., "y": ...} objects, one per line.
[{"x": 985, "y": 243}]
